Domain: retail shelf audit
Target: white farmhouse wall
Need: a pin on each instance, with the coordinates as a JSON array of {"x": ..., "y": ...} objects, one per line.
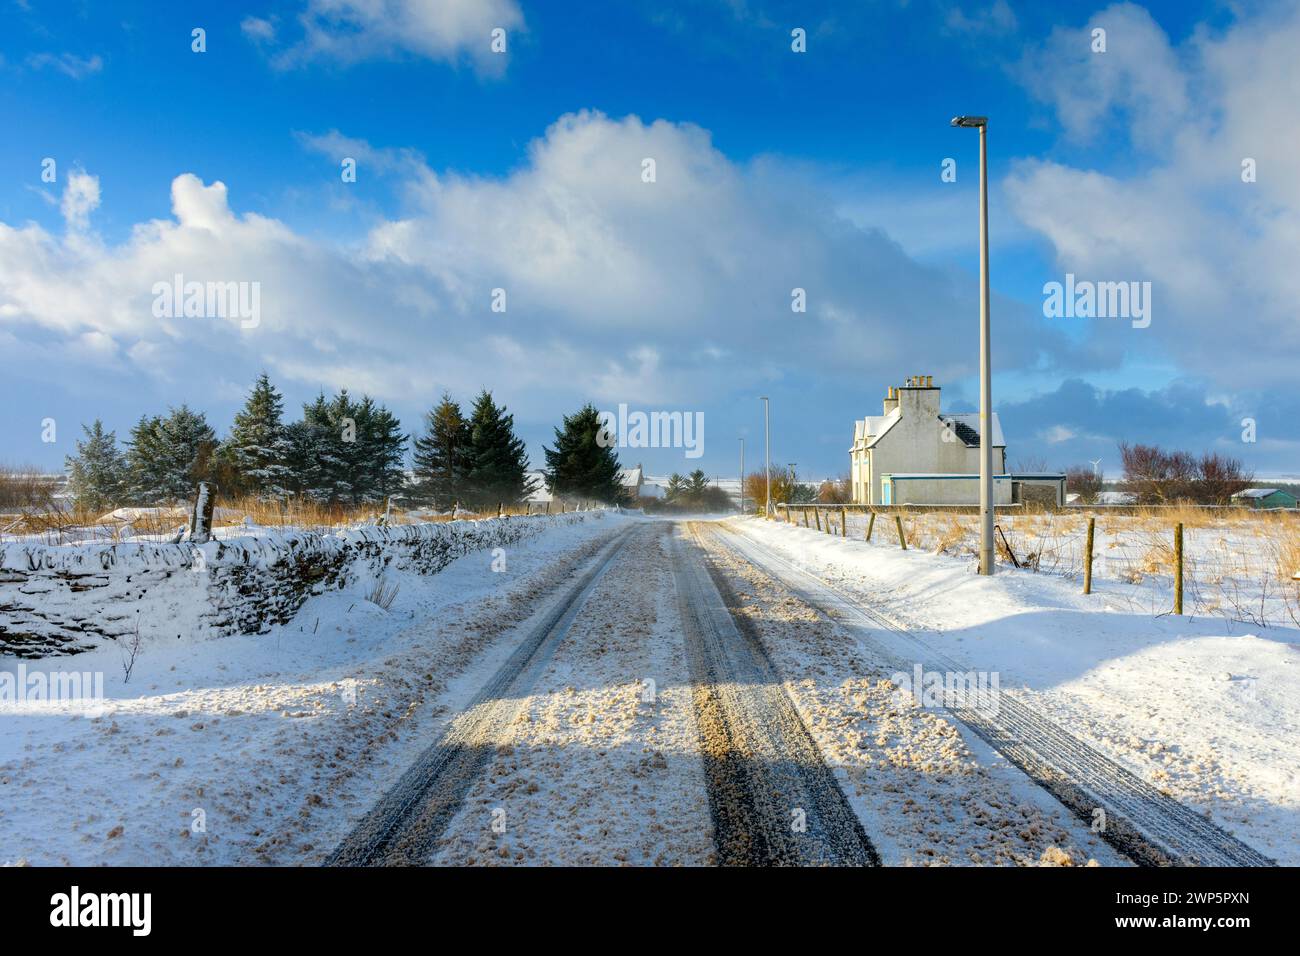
[{"x": 914, "y": 443}]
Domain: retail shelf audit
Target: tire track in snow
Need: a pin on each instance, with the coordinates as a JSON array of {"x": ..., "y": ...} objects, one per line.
[
  {"x": 1146, "y": 825},
  {"x": 402, "y": 828},
  {"x": 772, "y": 798},
  {"x": 601, "y": 766}
]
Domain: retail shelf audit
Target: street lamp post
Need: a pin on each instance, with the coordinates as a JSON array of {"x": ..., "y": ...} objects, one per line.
[
  {"x": 742, "y": 476},
  {"x": 986, "y": 369},
  {"x": 767, "y": 456}
]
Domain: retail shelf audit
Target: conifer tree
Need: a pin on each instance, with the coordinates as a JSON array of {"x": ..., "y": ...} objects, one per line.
[
  {"x": 145, "y": 461},
  {"x": 322, "y": 459},
  {"x": 579, "y": 467},
  {"x": 376, "y": 453},
  {"x": 258, "y": 447},
  {"x": 169, "y": 456},
  {"x": 442, "y": 455},
  {"x": 346, "y": 451},
  {"x": 697, "y": 486},
  {"x": 498, "y": 460},
  {"x": 97, "y": 473}
]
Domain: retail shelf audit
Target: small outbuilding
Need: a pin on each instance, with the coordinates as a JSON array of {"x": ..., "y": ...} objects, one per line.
[{"x": 1265, "y": 498}]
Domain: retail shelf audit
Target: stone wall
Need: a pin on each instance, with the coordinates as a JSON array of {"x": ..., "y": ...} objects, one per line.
[{"x": 62, "y": 600}]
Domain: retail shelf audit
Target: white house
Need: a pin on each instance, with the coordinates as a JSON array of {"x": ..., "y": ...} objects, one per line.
[
  {"x": 913, "y": 438},
  {"x": 540, "y": 493},
  {"x": 913, "y": 453}
]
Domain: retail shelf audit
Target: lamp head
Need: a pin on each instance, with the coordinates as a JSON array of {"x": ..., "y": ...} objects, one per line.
[{"x": 970, "y": 121}]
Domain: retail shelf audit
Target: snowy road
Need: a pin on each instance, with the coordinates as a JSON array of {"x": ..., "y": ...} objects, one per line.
[
  {"x": 626, "y": 692},
  {"x": 674, "y": 707}
]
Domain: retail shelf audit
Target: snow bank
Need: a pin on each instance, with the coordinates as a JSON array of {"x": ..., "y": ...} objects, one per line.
[{"x": 57, "y": 600}]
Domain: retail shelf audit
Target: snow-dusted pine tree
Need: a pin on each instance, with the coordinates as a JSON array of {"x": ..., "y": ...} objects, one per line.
[
  {"x": 346, "y": 451},
  {"x": 382, "y": 452},
  {"x": 167, "y": 457},
  {"x": 97, "y": 472},
  {"x": 144, "y": 461},
  {"x": 257, "y": 449},
  {"x": 322, "y": 458},
  {"x": 498, "y": 461},
  {"x": 441, "y": 457}
]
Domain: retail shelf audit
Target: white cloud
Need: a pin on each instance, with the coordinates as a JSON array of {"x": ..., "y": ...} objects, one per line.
[
  {"x": 69, "y": 64},
  {"x": 675, "y": 292},
  {"x": 80, "y": 199},
  {"x": 1138, "y": 73},
  {"x": 348, "y": 31},
  {"x": 1219, "y": 252},
  {"x": 257, "y": 29},
  {"x": 995, "y": 19},
  {"x": 1057, "y": 434}
]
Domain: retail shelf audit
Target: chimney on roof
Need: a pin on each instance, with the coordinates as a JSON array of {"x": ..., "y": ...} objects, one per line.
[
  {"x": 921, "y": 400},
  {"x": 891, "y": 399}
]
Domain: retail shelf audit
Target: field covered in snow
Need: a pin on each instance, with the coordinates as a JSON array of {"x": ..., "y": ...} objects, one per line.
[{"x": 1239, "y": 564}]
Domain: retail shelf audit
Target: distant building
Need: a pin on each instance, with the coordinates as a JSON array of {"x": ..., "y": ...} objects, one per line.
[
  {"x": 1115, "y": 498},
  {"x": 1265, "y": 498},
  {"x": 913, "y": 453},
  {"x": 632, "y": 479},
  {"x": 540, "y": 493}
]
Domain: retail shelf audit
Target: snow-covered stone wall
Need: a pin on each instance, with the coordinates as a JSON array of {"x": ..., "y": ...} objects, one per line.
[{"x": 62, "y": 600}]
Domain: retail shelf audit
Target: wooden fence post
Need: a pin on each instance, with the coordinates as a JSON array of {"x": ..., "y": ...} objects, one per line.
[
  {"x": 1087, "y": 557},
  {"x": 844, "y": 523},
  {"x": 902, "y": 539},
  {"x": 805, "y": 517},
  {"x": 871, "y": 523},
  {"x": 817, "y": 515},
  {"x": 1178, "y": 568}
]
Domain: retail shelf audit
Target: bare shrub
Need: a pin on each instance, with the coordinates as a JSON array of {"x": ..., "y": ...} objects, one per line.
[
  {"x": 382, "y": 594},
  {"x": 1084, "y": 481},
  {"x": 24, "y": 487},
  {"x": 1156, "y": 476},
  {"x": 130, "y": 651}
]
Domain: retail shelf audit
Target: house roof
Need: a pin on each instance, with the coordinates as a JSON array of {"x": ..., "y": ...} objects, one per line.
[
  {"x": 873, "y": 426},
  {"x": 967, "y": 427},
  {"x": 1256, "y": 492}
]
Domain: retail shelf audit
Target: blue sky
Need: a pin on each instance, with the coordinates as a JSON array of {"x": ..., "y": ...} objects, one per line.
[{"x": 818, "y": 170}]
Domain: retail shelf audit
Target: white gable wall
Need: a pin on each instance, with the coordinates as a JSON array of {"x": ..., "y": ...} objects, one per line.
[{"x": 914, "y": 444}]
